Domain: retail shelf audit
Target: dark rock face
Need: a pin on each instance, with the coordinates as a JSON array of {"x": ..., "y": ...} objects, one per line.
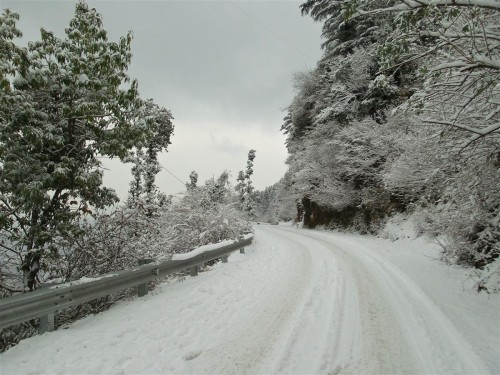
[{"x": 362, "y": 218}]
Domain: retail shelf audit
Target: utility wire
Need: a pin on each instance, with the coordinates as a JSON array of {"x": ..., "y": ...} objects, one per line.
[
  {"x": 276, "y": 35},
  {"x": 177, "y": 178}
]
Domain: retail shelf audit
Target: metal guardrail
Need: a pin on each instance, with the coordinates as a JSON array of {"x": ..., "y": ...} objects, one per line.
[{"x": 43, "y": 303}]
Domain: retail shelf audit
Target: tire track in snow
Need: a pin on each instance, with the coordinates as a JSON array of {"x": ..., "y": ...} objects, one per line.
[
  {"x": 321, "y": 316},
  {"x": 402, "y": 330},
  {"x": 298, "y": 321},
  {"x": 247, "y": 347}
]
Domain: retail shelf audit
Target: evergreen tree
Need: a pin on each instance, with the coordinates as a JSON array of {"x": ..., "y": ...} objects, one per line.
[
  {"x": 249, "y": 172},
  {"x": 241, "y": 186},
  {"x": 244, "y": 187}
]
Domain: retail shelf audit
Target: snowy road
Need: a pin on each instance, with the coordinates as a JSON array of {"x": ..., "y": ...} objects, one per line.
[
  {"x": 299, "y": 301},
  {"x": 383, "y": 322}
]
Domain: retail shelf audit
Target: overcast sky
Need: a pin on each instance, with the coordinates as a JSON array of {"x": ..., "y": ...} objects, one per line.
[{"x": 223, "y": 68}]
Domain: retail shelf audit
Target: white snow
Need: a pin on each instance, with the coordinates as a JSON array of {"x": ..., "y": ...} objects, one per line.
[
  {"x": 207, "y": 248},
  {"x": 399, "y": 227},
  {"x": 298, "y": 301},
  {"x": 82, "y": 280},
  {"x": 82, "y": 78}
]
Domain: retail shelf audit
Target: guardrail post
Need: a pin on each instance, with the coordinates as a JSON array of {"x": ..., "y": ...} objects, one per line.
[
  {"x": 242, "y": 250},
  {"x": 47, "y": 323},
  {"x": 142, "y": 289},
  {"x": 193, "y": 271},
  {"x": 224, "y": 258}
]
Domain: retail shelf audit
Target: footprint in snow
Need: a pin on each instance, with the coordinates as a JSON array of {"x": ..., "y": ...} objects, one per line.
[{"x": 192, "y": 355}]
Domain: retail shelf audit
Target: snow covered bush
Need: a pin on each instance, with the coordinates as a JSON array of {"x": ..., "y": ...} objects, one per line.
[
  {"x": 423, "y": 165},
  {"x": 118, "y": 239},
  {"x": 488, "y": 278},
  {"x": 115, "y": 239},
  {"x": 467, "y": 216},
  {"x": 339, "y": 171},
  {"x": 202, "y": 217}
]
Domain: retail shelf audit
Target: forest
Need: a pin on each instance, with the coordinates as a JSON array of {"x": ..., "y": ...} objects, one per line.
[{"x": 400, "y": 116}]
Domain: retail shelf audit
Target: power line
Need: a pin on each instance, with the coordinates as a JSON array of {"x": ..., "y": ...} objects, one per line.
[
  {"x": 269, "y": 30},
  {"x": 177, "y": 178}
]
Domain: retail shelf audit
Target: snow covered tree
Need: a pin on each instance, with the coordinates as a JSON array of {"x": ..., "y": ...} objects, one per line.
[
  {"x": 158, "y": 142},
  {"x": 275, "y": 203},
  {"x": 193, "y": 180},
  {"x": 456, "y": 45},
  {"x": 63, "y": 103},
  {"x": 145, "y": 160},
  {"x": 220, "y": 190},
  {"x": 249, "y": 171},
  {"x": 244, "y": 186},
  {"x": 9, "y": 52},
  {"x": 241, "y": 186},
  {"x": 333, "y": 161},
  {"x": 215, "y": 191},
  {"x": 304, "y": 106},
  {"x": 136, "y": 185},
  {"x": 341, "y": 36}
]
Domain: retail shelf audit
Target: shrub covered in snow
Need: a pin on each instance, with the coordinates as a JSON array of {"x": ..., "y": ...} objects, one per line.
[{"x": 116, "y": 239}]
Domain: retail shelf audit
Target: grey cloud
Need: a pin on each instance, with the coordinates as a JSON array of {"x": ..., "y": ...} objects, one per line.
[
  {"x": 227, "y": 145},
  {"x": 206, "y": 61}
]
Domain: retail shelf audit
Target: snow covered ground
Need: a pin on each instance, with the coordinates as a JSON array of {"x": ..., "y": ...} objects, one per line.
[{"x": 298, "y": 301}]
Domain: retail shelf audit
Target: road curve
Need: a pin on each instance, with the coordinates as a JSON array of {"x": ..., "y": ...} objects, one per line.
[{"x": 373, "y": 318}]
